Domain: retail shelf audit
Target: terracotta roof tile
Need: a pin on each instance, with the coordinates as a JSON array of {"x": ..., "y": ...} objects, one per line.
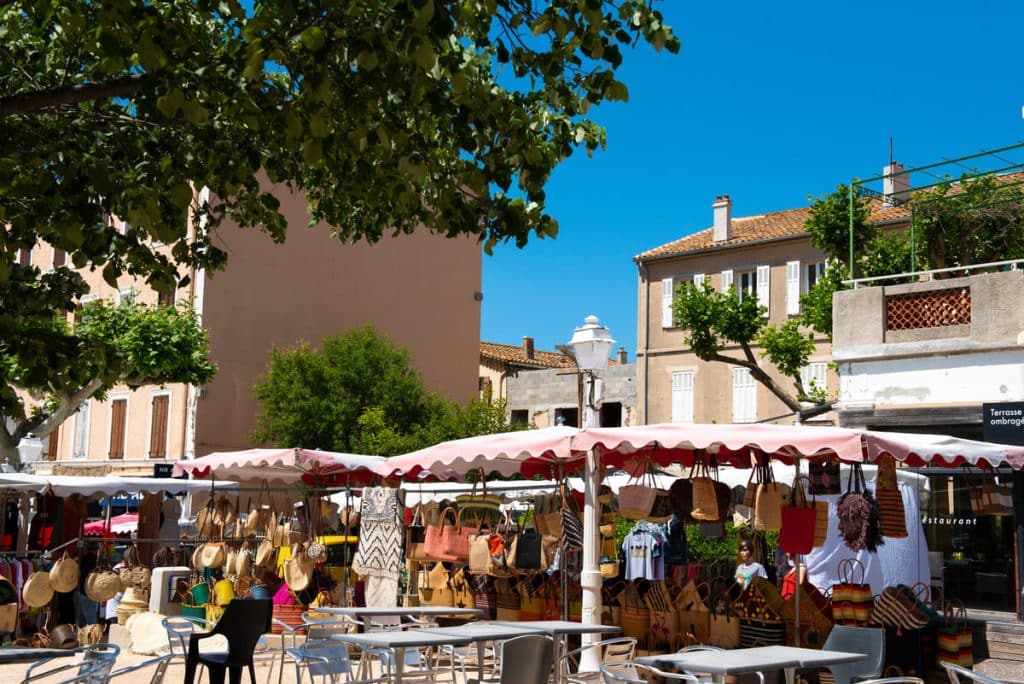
[
  {"x": 515, "y": 354},
  {"x": 763, "y": 227}
]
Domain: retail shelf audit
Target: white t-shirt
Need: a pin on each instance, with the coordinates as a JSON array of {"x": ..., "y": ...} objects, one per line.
[
  {"x": 745, "y": 573},
  {"x": 643, "y": 557}
]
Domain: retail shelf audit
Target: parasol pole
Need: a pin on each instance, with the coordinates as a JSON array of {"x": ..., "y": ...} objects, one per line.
[{"x": 796, "y": 561}]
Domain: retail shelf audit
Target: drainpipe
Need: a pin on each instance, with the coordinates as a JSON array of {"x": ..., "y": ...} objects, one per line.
[{"x": 643, "y": 334}]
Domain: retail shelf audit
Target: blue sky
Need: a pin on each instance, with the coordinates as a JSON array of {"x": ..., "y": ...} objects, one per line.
[{"x": 769, "y": 103}]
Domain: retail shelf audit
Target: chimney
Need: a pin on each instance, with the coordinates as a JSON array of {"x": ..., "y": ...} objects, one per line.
[
  {"x": 621, "y": 357},
  {"x": 895, "y": 185},
  {"x": 723, "y": 218},
  {"x": 528, "y": 347}
]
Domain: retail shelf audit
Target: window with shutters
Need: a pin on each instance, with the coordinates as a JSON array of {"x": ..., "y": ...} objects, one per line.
[
  {"x": 682, "y": 396},
  {"x": 118, "y": 427},
  {"x": 813, "y": 377},
  {"x": 812, "y": 274},
  {"x": 159, "y": 421},
  {"x": 126, "y": 296},
  {"x": 82, "y": 301},
  {"x": 80, "y": 443},
  {"x": 667, "y": 292},
  {"x": 793, "y": 289},
  {"x": 727, "y": 279},
  {"x": 744, "y": 396},
  {"x": 746, "y": 284},
  {"x": 51, "y": 445},
  {"x": 165, "y": 299},
  {"x": 60, "y": 257},
  {"x": 25, "y": 257}
]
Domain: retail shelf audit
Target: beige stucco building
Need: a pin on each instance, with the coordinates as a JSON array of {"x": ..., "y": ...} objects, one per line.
[
  {"x": 421, "y": 290},
  {"x": 769, "y": 256}
]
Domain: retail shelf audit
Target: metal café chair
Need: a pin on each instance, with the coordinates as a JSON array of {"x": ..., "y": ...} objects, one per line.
[
  {"x": 94, "y": 667},
  {"x": 616, "y": 654},
  {"x": 958, "y": 675},
  {"x": 611, "y": 677},
  {"x": 161, "y": 664},
  {"x": 903, "y": 679}
]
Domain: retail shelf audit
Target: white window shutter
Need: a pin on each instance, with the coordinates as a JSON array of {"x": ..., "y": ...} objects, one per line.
[
  {"x": 792, "y": 287},
  {"x": 666, "y": 303},
  {"x": 682, "y": 397},
  {"x": 737, "y": 395},
  {"x": 726, "y": 280},
  {"x": 744, "y": 396},
  {"x": 763, "y": 287},
  {"x": 698, "y": 281},
  {"x": 816, "y": 372}
]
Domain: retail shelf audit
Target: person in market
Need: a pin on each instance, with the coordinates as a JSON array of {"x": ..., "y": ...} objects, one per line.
[
  {"x": 748, "y": 568},
  {"x": 791, "y": 579}
]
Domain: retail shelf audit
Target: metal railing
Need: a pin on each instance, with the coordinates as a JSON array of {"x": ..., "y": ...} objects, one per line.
[{"x": 927, "y": 276}]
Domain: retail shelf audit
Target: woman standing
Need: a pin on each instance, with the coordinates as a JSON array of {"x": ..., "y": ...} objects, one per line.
[{"x": 748, "y": 568}]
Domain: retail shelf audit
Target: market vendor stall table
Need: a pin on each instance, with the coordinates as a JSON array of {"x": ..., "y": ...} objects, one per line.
[
  {"x": 748, "y": 660},
  {"x": 398, "y": 641},
  {"x": 367, "y": 613},
  {"x": 483, "y": 632}
]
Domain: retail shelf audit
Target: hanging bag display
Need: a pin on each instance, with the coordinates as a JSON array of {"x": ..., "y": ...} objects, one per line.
[
  {"x": 852, "y": 598},
  {"x": 857, "y": 512},
  {"x": 64, "y": 574},
  {"x": 891, "y": 512},
  {"x": 37, "y": 590},
  {"x": 798, "y": 523},
  {"x": 483, "y": 504},
  {"x": 705, "y": 500},
  {"x": 525, "y": 552},
  {"x": 636, "y": 616},
  {"x": 546, "y": 517},
  {"x": 815, "y": 617},
  {"x": 455, "y": 538},
  {"x": 954, "y": 641},
  {"x": 260, "y": 520},
  {"x": 570, "y": 522},
  {"x": 824, "y": 476},
  {"x": 637, "y": 496},
  {"x": 680, "y": 498},
  {"x": 996, "y": 499},
  {"x": 434, "y": 537},
  {"x": 416, "y": 535},
  {"x": 769, "y": 500}
]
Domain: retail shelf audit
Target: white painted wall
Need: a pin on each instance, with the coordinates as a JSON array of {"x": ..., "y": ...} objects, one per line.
[{"x": 948, "y": 379}]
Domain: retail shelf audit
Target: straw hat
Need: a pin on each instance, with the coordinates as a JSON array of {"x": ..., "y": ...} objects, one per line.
[
  {"x": 64, "y": 574},
  {"x": 134, "y": 601},
  {"x": 102, "y": 585},
  {"x": 37, "y": 591},
  {"x": 148, "y": 634},
  {"x": 212, "y": 555}
]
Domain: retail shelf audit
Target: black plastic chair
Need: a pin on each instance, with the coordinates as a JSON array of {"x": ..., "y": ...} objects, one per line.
[{"x": 243, "y": 623}]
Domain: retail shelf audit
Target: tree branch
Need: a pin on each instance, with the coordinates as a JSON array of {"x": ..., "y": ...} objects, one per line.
[
  {"x": 33, "y": 102},
  {"x": 751, "y": 364},
  {"x": 42, "y": 424}
]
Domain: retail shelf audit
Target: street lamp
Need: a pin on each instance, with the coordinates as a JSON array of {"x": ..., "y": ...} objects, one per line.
[
  {"x": 591, "y": 345},
  {"x": 29, "y": 450}
]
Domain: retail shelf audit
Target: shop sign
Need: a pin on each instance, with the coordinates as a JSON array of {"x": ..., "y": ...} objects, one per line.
[{"x": 1003, "y": 422}]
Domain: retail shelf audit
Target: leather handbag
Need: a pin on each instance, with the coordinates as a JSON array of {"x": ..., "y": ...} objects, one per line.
[{"x": 525, "y": 552}]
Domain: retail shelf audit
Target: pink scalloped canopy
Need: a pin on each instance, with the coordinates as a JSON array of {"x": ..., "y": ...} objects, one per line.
[
  {"x": 558, "y": 451},
  {"x": 308, "y": 465}
]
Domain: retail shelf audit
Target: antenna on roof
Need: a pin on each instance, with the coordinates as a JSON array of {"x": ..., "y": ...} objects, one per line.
[{"x": 890, "y": 151}]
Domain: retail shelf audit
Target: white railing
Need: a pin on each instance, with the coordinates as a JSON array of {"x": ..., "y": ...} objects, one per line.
[{"x": 1013, "y": 264}]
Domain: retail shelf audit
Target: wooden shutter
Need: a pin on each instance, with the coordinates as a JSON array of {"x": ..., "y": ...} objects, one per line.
[
  {"x": 165, "y": 299},
  {"x": 118, "y": 425},
  {"x": 666, "y": 303},
  {"x": 158, "y": 422},
  {"x": 726, "y": 280},
  {"x": 682, "y": 397},
  {"x": 25, "y": 257},
  {"x": 60, "y": 258},
  {"x": 764, "y": 287},
  {"x": 51, "y": 445},
  {"x": 792, "y": 287},
  {"x": 744, "y": 396}
]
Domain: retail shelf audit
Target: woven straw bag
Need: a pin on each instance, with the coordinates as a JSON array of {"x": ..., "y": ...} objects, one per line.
[
  {"x": 265, "y": 554},
  {"x": 298, "y": 570},
  {"x": 64, "y": 574},
  {"x": 37, "y": 591},
  {"x": 212, "y": 555},
  {"x": 102, "y": 585},
  {"x": 636, "y": 499}
]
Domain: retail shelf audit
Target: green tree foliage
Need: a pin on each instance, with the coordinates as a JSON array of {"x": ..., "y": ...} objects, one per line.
[
  {"x": 358, "y": 393},
  {"x": 715, "y": 320},
  {"x": 968, "y": 222},
  {"x": 389, "y": 114},
  {"x": 129, "y": 344}
]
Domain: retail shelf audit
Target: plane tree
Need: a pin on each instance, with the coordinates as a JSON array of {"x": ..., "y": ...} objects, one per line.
[{"x": 390, "y": 115}]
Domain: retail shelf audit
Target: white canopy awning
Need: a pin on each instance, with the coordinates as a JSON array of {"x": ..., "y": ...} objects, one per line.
[{"x": 108, "y": 485}]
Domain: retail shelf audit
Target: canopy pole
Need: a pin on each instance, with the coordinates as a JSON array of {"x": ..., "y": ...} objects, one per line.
[
  {"x": 590, "y": 577},
  {"x": 796, "y": 564}
]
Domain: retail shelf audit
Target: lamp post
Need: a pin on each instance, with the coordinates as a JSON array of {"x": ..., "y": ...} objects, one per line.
[
  {"x": 591, "y": 345},
  {"x": 29, "y": 450}
]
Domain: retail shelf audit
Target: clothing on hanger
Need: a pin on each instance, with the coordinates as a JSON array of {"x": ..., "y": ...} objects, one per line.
[{"x": 644, "y": 551}]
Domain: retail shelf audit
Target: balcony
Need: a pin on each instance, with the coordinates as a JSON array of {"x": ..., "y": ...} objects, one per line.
[{"x": 955, "y": 341}]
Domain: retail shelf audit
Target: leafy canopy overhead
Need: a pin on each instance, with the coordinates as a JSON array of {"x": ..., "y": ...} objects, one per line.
[
  {"x": 358, "y": 393},
  {"x": 388, "y": 114}
]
